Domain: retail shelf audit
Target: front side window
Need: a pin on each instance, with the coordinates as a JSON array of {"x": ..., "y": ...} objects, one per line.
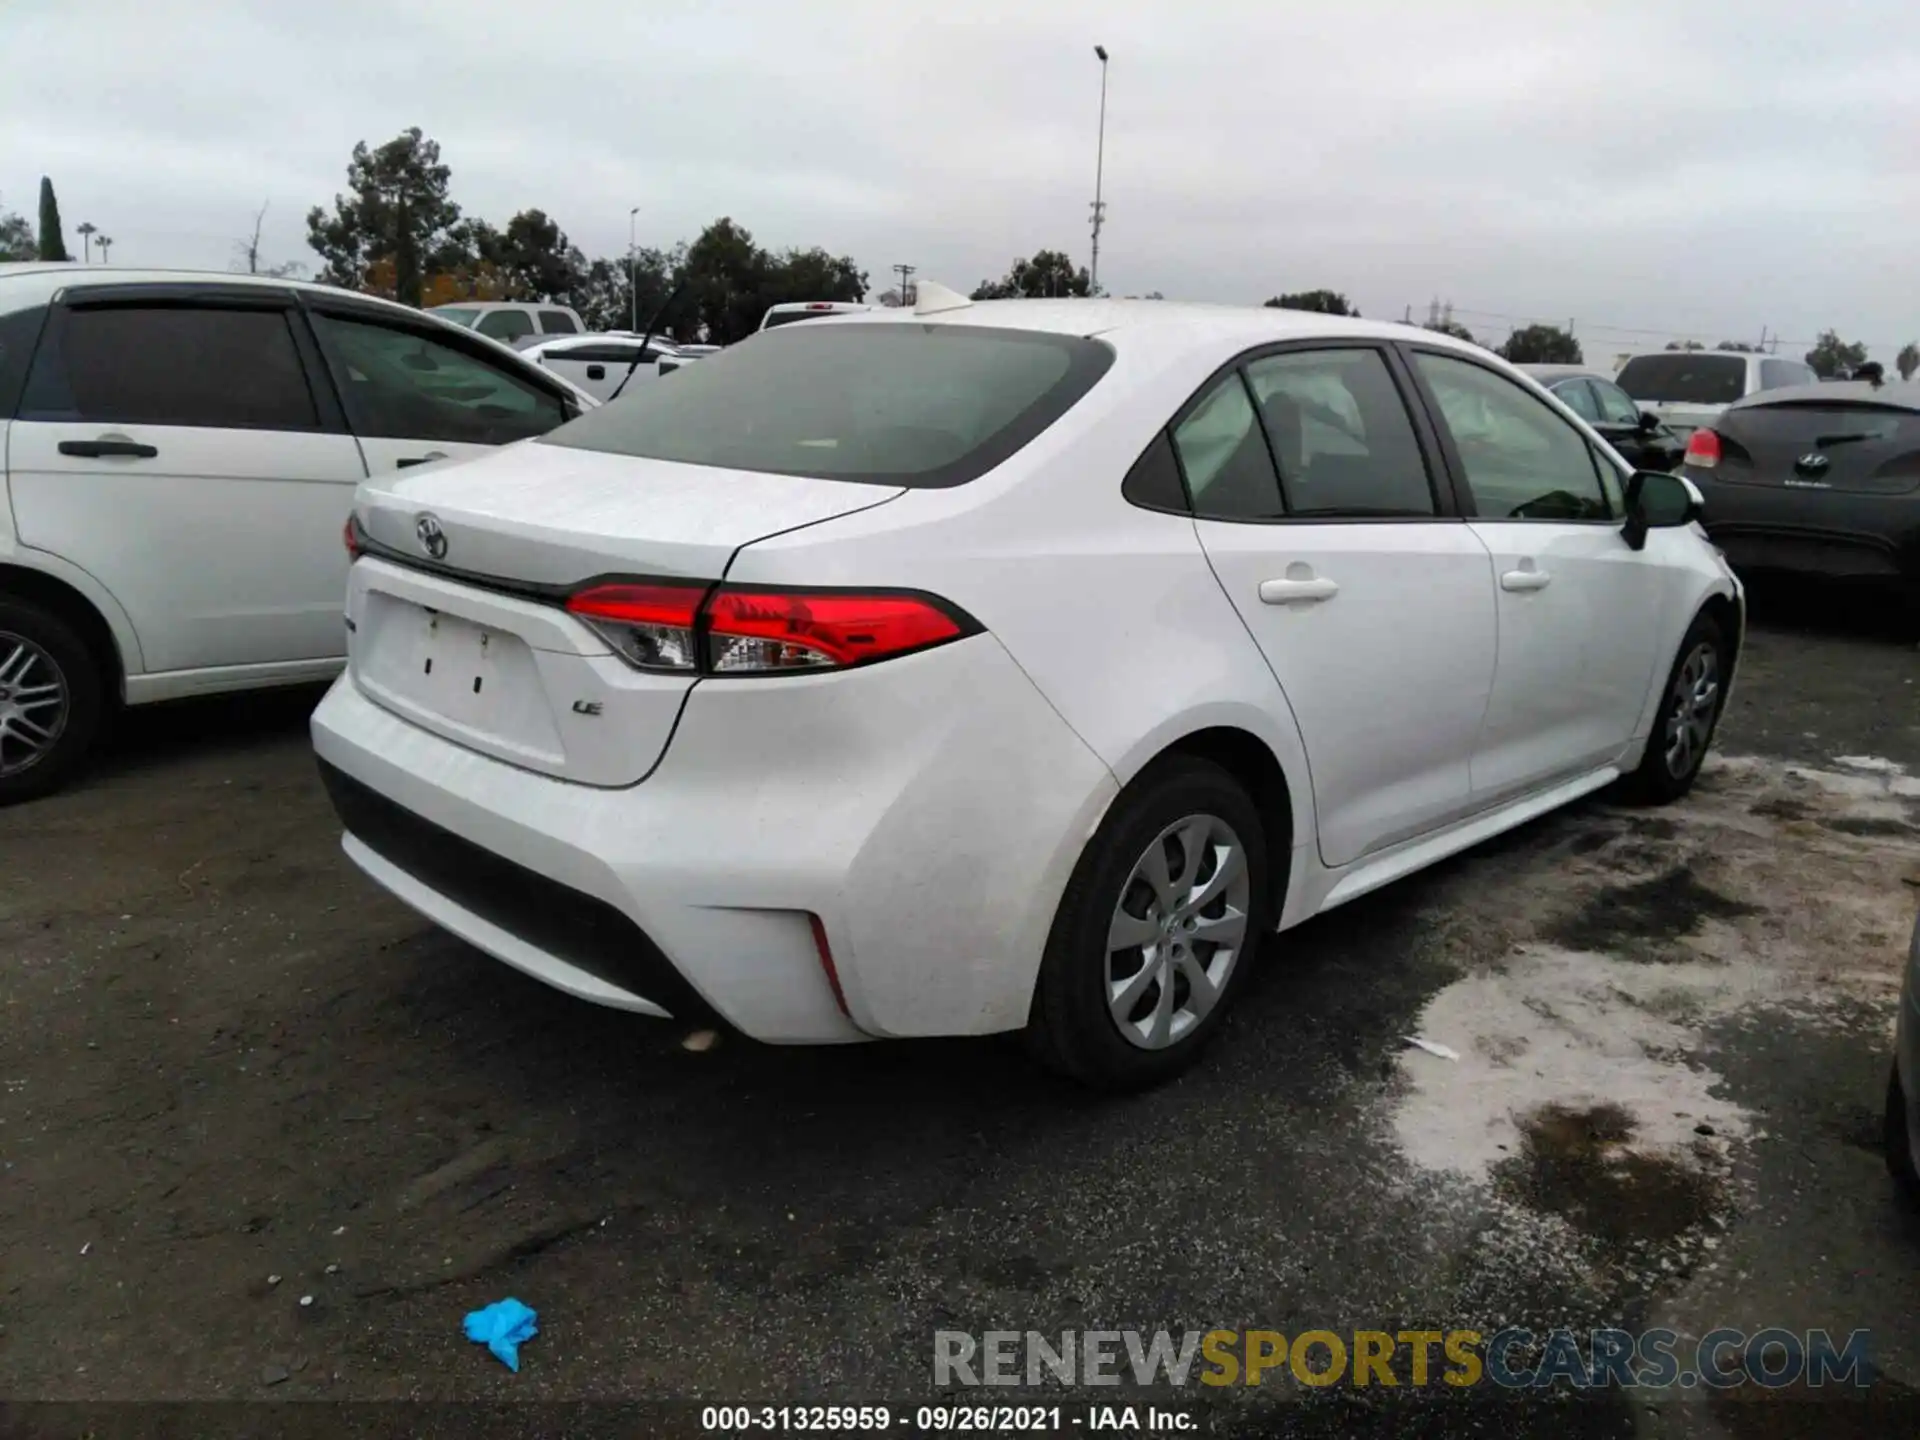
[
  {"x": 1522, "y": 461},
  {"x": 222, "y": 369},
  {"x": 887, "y": 404},
  {"x": 403, "y": 386},
  {"x": 505, "y": 324},
  {"x": 1341, "y": 434},
  {"x": 558, "y": 322},
  {"x": 1224, "y": 457},
  {"x": 1616, "y": 406}
]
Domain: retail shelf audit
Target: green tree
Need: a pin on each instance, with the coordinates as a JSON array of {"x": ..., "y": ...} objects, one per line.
[
  {"x": 396, "y": 211},
  {"x": 726, "y": 274},
  {"x": 1048, "y": 273},
  {"x": 1323, "y": 302},
  {"x": 1688, "y": 345},
  {"x": 535, "y": 256},
  {"x": 16, "y": 238},
  {"x": 1831, "y": 356},
  {"x": 1908, "y": 360},
  {"x": 1738, "y": 347},
  {"x": 1453, "y": 328},
  {"x": 53, "y": 243},
  {"x": 813, "y": 275},
  {"x": 1542, "y": 345}
]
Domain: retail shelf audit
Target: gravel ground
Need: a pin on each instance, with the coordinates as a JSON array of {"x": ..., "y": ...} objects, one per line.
[{"x": 233, "y": 1076}]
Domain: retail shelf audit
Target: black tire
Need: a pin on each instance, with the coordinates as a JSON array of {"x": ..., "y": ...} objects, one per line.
[
  {"x": 59, "y": 649},
  {"x": 1899, "y": 1143},
  {"x": 1071, "y": 1029},
  {"x": 1658, "y": 780}
]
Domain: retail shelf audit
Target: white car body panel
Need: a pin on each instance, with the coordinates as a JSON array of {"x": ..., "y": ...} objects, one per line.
[{"x": 930, "y": 809}]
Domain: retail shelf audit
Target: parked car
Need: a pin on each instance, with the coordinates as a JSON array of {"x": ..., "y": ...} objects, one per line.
[
  {"x": 600, "y": 364},
  {"x": 180, "y": 454},
  {"x": 510, "y": 320},
  {"x": 786, "y": 314},
  {"x": 1820, "y": 480},
  {"x": 1689, "y": 388},
  {"x": 1640, "y": 437},
  {"x": 999, "y": 666}
]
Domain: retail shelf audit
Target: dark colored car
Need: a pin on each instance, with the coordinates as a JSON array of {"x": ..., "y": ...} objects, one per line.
[
  {"x": 1817, "y": 480},
  {"x": 1640, "y": 437},
  {"x": 1903, "y": 1086}
]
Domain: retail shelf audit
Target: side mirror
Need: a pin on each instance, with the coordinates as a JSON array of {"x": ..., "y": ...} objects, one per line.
[
  {"x": 1649, "y": 422},
  {"x": 1659, "y": 501}
]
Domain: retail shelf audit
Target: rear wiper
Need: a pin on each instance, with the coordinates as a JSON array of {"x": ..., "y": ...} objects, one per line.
[{"x": 1824, "y": 442}]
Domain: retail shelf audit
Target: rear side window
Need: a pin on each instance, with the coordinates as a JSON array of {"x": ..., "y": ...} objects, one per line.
[
  {"x": 1778, "y": 374},
  {"x": 558, "y": 322},
  {"x": 1684, "y": 377},
  {"x": 886, "y": 404},
  {"x": 505, "y": 324},
  {"x": 18, "y": 332},
  {"x": 1341, "y": 435},
  {"x": 221, "y": 369},
  {"x": 1224, "y": 457},
  {"x": 403, "y": 386}
]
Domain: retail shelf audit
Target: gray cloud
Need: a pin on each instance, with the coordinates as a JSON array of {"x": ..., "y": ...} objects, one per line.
[{"x": 1706, "y": 168}]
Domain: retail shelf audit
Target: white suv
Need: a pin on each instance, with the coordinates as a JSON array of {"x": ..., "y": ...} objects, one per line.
[
  {"x": 180, "y": 453},
  {"x": 1688, "y": 389},
  {"x": 511, "y": 321}
]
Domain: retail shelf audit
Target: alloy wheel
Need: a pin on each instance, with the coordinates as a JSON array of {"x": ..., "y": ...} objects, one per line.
[
  {"x": 1695, "y": 699},
  {"x": 33, "y": 703},
  {"x": 1177, "y": 931}
]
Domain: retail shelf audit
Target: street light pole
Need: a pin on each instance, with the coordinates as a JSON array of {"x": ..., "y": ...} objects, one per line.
[
  {"x": 633, "y": 271},
  {"x": 1099, "y": 174}
]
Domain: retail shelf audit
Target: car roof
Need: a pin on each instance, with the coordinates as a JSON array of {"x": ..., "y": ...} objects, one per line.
[
  {"x": 1895, "y": 395},
  {"x": 1562, "y": 372},
  {"x": 1698, "y": 355},
  {"x": 44, "y": 278},
  {"x": 500, "y": 305}
]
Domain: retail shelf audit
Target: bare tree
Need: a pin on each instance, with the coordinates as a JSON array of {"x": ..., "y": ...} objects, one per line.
[{"x": 247, "y": 252}]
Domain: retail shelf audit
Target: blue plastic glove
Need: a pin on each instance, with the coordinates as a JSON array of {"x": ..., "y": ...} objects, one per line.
[{"x": 503, "y": 1327}]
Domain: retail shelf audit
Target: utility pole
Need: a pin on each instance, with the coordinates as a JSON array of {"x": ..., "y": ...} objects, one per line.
[
  {"x": 86, "y": 229},
  {"x": 905, "y": 272},
  {"x": 1433, "y": 312},
  {"x": 1407, "y": 319},
  {"x": 1099, "y": 174},
  {"x": 633, "y": 272}
]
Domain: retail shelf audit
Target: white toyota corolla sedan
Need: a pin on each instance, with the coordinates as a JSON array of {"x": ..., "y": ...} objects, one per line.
[{"x": 1000, "y": 666}]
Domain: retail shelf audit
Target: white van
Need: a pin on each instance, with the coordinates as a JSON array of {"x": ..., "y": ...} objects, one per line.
[
  {"x": 510, "y": 320},
  {"x": 178, "y": 456}
]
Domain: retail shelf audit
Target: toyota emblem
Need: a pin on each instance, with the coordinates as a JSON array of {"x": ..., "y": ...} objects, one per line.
[{"x": 433, "y": 540}]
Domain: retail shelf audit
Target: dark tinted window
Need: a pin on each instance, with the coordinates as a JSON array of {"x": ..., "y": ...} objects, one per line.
[
  {"x": 173, "y": 365},
  {"x": 892, "y": 404},
  {"x": 1684, "y": 376},
  {"x": 1340, "y": 434},
  {"x": 558, "y": 322},
  {"x": 1575, "y": 395},
  {"x": 1616, "y": 406},
  {"x": 18, "y": 332},
  {"x": 1522, "y": 460},
  {"x": 1154, "y": 480},
  {"x": 1224, "y": 457},
  {"x": 403, "y": 386},
  {"x": 505, "y": 324}
]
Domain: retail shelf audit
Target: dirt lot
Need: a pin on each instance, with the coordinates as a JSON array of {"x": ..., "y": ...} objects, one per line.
[{"x": 234, "y": 1076}]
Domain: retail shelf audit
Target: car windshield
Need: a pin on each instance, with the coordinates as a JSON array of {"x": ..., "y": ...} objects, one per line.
[
  {"x": 454, "y": 313},
  {"x": 892, "y": 404},
  {"x": 1685, "y": 377}
]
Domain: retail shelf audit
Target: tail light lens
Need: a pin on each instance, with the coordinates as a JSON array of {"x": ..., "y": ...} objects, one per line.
[
  {"x": 651, "y": 627},
  {"x": 741, "y": 631},
  {"x": 351, "y": 539},
  {"x": 1703, "y": 449}
]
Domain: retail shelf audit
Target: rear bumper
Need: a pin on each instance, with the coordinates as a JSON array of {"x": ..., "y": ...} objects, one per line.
[
  {"x": 1826, "y": 534},
  {"x": 928, "y": 811}
]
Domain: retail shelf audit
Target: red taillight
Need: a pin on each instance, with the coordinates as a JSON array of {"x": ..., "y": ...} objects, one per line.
[
  {"x": 1703, "y": 449},
  {"x": 351, "y": 541},
  {"x": 666, "y": 626},
  {"x": 826, "y": 963},
  {"x": 651, "y": 626},
  {"x": 762, "y": 632}
]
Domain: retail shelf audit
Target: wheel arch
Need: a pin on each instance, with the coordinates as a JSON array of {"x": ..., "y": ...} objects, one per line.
[{"x": 78, "y": 609}]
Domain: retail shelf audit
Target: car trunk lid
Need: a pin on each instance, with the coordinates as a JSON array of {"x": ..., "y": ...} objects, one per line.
[
  {"x": 1846, "y": 446},
  {"x": 458, "y": 612}
]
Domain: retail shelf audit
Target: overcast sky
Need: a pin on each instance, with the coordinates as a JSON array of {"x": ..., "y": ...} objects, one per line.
[{"x": 1674, "y": 165}]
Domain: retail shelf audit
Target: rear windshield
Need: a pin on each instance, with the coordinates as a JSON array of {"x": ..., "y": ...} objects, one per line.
[
  {"x": 888, "y": 404},
  {"x": 787, "y": 317},
  {"x": 1685, "y": 377}
]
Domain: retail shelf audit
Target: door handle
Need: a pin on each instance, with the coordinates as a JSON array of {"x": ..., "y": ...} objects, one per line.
[
  {"x": 427, "y": 459},
  {"x": 94, "y": 449},
  {"x": 1287, "y": 592},
  {"x": 1523, "y": 580}
]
